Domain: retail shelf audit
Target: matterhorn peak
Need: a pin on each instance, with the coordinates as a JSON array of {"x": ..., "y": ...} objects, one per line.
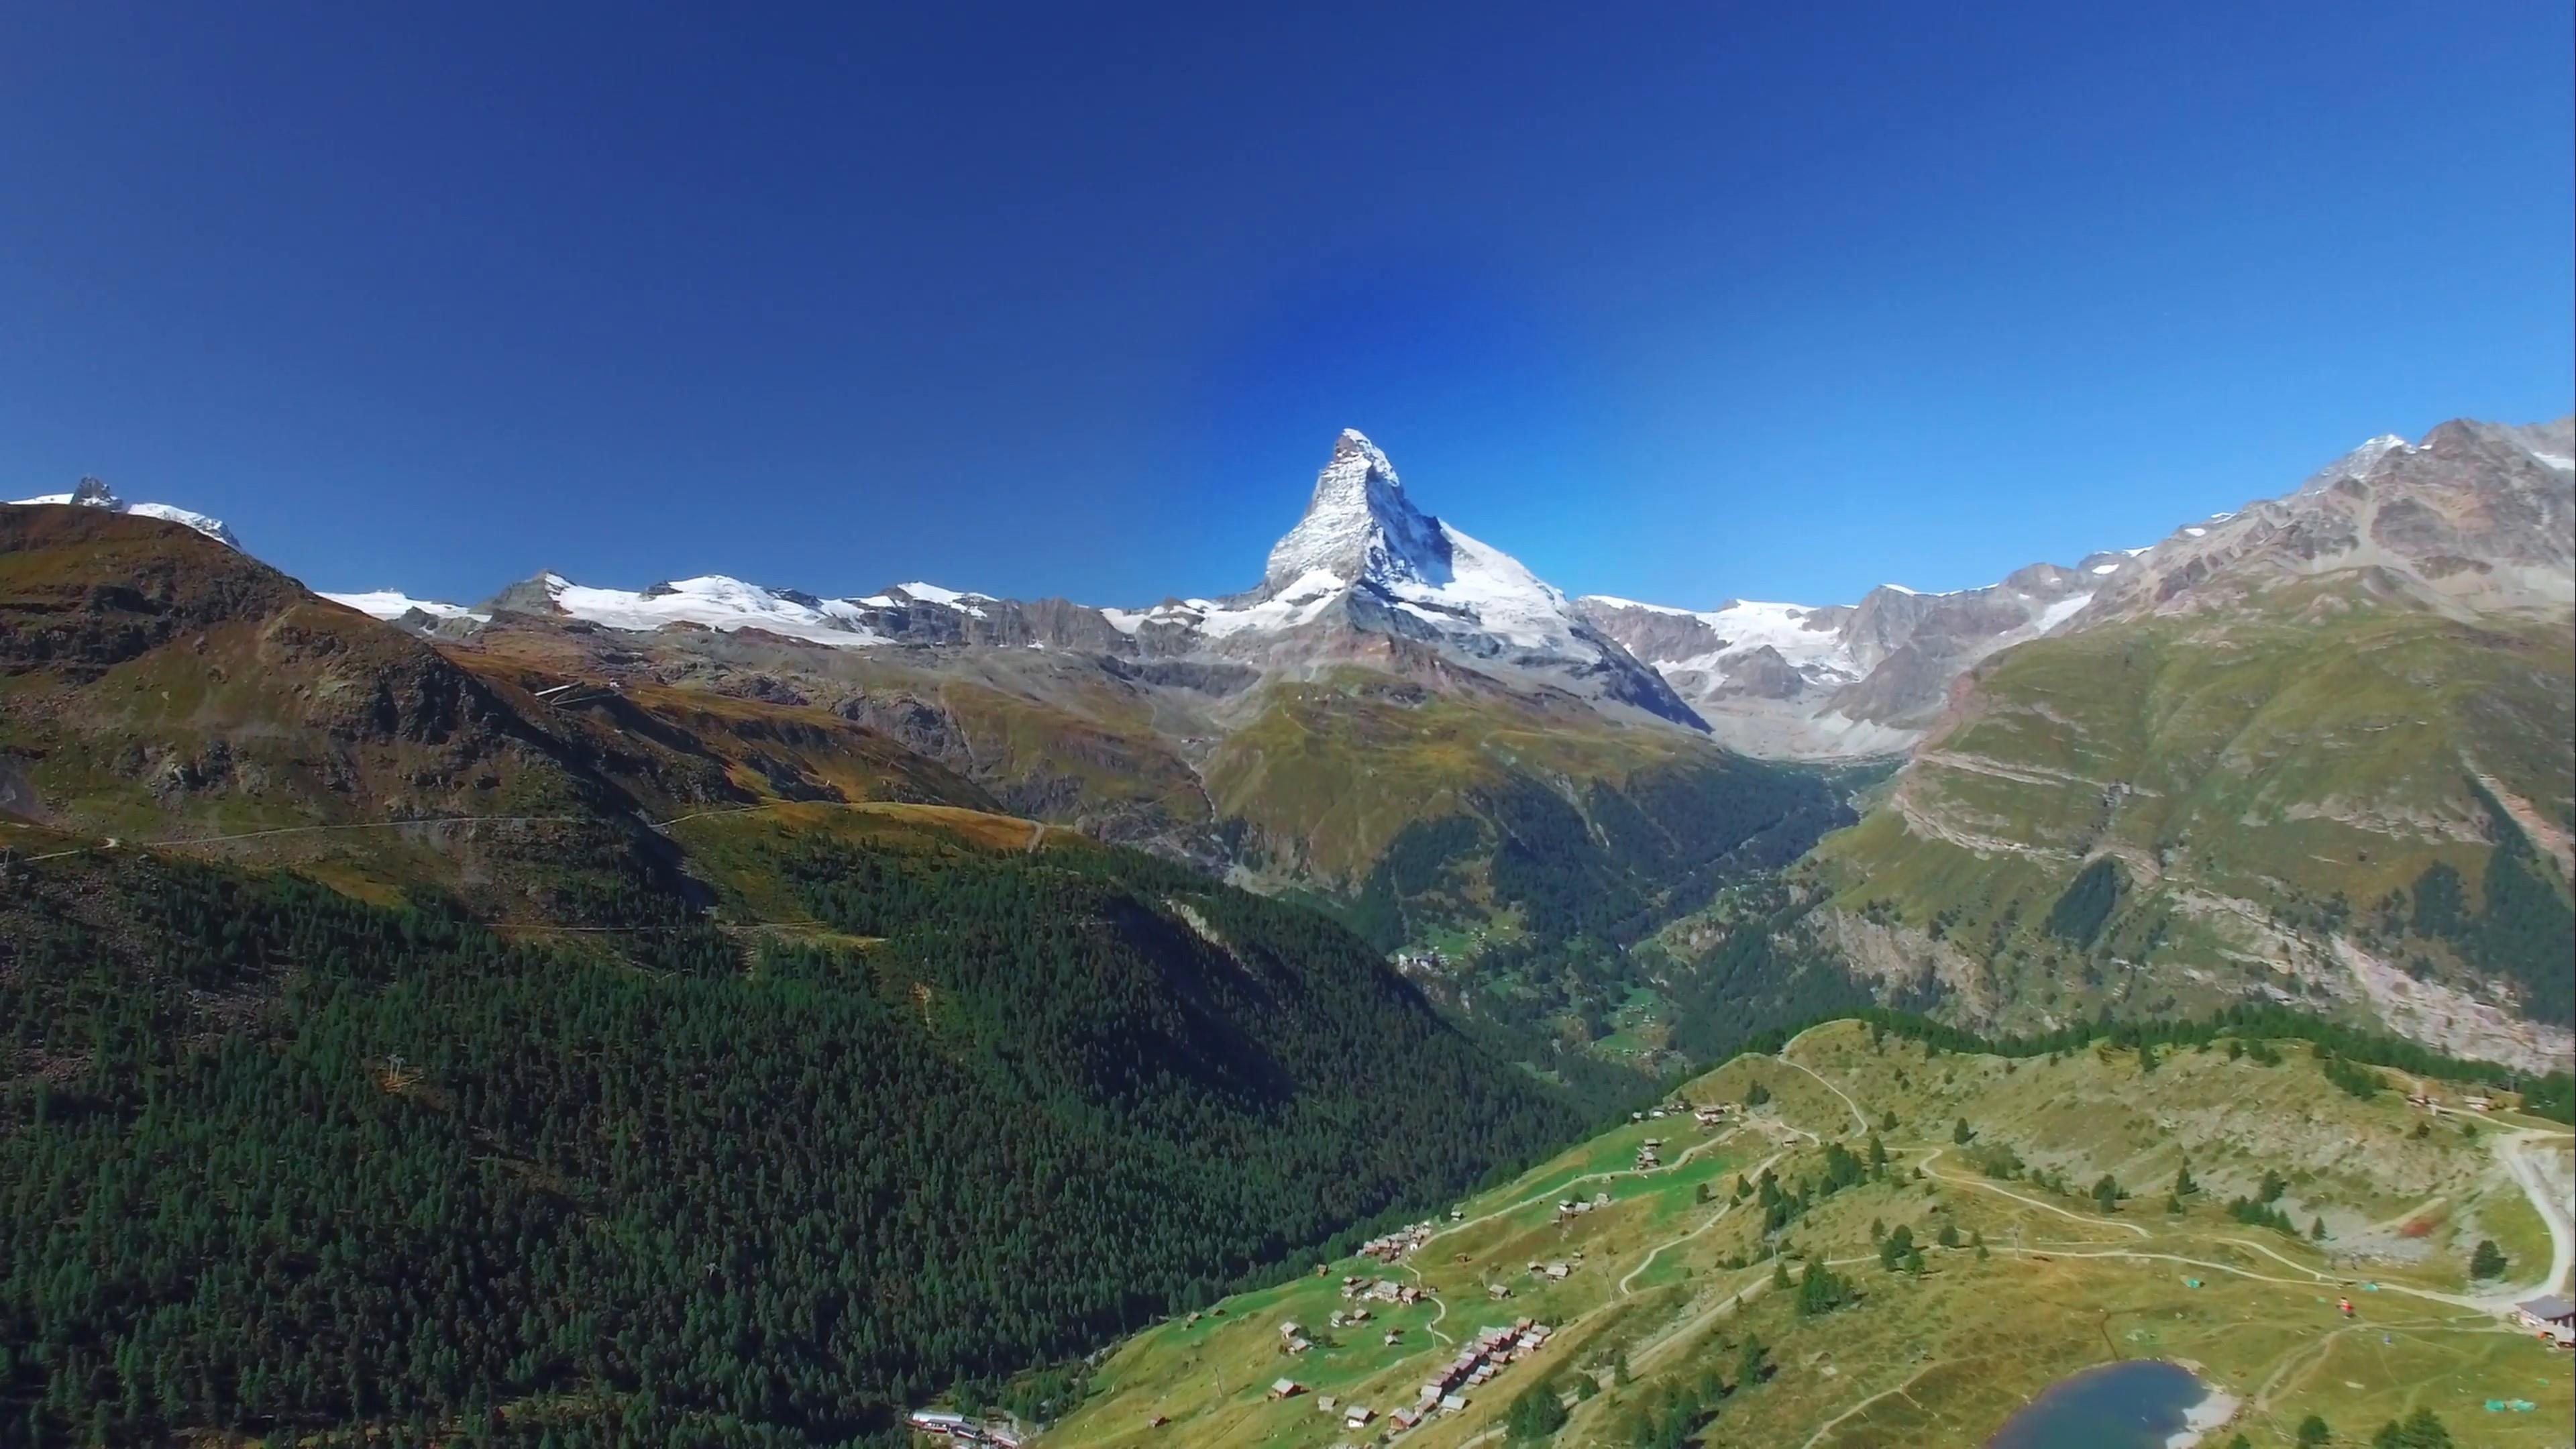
[
  {"x": 1359, "y": 525},
  {"x": 94, "y": 493}
]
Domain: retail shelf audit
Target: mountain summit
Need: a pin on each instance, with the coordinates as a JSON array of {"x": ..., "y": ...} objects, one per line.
[
  {"x": 1359, "y": 526},
  {"x": 92, "y": 493}
]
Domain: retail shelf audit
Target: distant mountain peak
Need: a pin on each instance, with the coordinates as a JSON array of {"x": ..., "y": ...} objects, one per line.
[
  {"x": 94, "y": 493},
  {"x": 1359, "y": 526}
]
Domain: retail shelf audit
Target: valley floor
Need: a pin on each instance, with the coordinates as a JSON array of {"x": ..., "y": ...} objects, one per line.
[{"x": 1650, "y": 1306}]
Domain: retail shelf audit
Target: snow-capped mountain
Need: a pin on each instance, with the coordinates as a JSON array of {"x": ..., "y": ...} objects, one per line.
[
  {"x": 1363, "y": 578},
  {"x": 2472, "y": 518},
  {"x": 1363, "y": 567},
  {"x": 393, "y": 605},
  {"x": 2466, "y": 520},
  {"x": 1844, "y": 679},
  {"x": 91, "y": 493}
]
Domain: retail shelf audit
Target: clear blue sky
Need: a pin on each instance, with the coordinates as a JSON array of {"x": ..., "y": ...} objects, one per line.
[{"x": 1071, "y": 299}]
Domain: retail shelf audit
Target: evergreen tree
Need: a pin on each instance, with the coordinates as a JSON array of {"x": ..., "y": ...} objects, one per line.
[
  {"x": 1820, "y": 1291},
  {"x": 325, "y": 1165},
  {"x": 1753, "y": 1365},
  {"x": 2422, "y": 1429},
  {"x": 2487, "y": 1260},
  {"x": 1895, "y": 1247},
  {"x": 1537, "y": 1412}
]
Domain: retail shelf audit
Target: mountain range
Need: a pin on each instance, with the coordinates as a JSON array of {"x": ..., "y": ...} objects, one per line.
[
  {"x": 1498, "y": 782},
  {"x": 724, "y": 1014}
]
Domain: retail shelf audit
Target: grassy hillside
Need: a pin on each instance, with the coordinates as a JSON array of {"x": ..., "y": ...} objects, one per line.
[
  {"x": 157, "y": 687},
  {"x": 977, "y": 1096},
  {"x": 2364, "y": 806},
  {"x": 1675, "y": 1282},
  {"x": 1049, "y": 736},
  {"x": 1511, "y": 853}
]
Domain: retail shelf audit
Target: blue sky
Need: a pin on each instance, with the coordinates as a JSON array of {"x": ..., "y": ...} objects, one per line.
[{"x": 1071, "y": 299}]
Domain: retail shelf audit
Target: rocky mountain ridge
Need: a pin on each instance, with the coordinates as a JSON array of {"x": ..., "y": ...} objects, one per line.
[
  {"x": 1366, "y": 578},
  {"x": 2268, "y": 721},
  {"x": 93, "y": 493},
  {"x": 2467, "y": 521},
  {"x": 1363, "y": 578}
]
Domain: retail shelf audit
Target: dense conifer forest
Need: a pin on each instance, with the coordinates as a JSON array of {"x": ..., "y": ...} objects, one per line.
[{"x": 276, "y": 1159}]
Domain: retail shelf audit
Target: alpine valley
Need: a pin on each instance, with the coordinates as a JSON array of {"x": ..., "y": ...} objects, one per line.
[{"x": 719, "y": 1012}]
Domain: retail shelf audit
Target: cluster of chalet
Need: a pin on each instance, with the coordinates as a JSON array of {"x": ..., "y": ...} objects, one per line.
[
  {"x": 1396, "y": 1246},
  {"x": 1379, "y": 1290},
  {"x": 958, "y": 1429},
  {"x": 1715, "y": 1114},
  {"x": 1355, "y": 1416},
  {"x": 1427, "y": 961},
  {"x": 1567, "y": 1207},
  {"x": 1484, "y": 1358},
  {"x": 1650, "y": 1153},
  {"x": 1556, "y": 1272}
]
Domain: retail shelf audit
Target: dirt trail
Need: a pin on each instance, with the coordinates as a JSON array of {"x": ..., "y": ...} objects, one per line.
[
  {"x": 2045, "y": 1207},
  {"x": 1714, "y": 1219},
  {"x": 1560, "y": 1190},
  {"x": 2520, "y": 1153},
  {"x": 1858, "y": 1118}
]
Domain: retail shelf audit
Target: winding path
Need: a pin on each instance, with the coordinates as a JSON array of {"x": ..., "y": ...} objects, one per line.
[
  {"x": 2046, "y": 1207},
  {"x": 1858, "y": 1117},
  {"x": 2516, "y": 1151}
]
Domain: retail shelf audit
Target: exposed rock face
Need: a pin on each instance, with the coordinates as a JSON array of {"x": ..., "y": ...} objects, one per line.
[
  {"x": 2474, "y": 518},
  {"x": 2471, "y": 519},
  {"x": 2287, "y": 734},
  {"x": 1359, "y": 525},
  {"x": 1859, "y": 679}
]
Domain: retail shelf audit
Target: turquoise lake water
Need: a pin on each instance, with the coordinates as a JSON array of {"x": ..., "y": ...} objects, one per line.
[{"x": 2132, "y": 1405}]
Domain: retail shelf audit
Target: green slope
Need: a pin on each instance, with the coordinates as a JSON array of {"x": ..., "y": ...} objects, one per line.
[
  {"x": 1513, "y": 852},
  {"x": 2231, "y": 799},
  {"x": 1848, "y": 1136}
]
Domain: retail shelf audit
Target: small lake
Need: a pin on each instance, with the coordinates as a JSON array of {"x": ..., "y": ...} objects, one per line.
[{"x": 2138, "y": 1404}]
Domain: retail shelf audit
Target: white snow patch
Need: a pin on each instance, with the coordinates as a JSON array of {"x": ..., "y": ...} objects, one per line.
[
  {"x": 950, "y": 598},
  {"x": 93, "y": 494},
  {"x": 2061, "y": 611},
  {"x": 1745, "y": 626},
  {"x": 718, "y": 603},
  {"x": 1613, "y": 601},
  {"x": 393, "y": 604}
]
